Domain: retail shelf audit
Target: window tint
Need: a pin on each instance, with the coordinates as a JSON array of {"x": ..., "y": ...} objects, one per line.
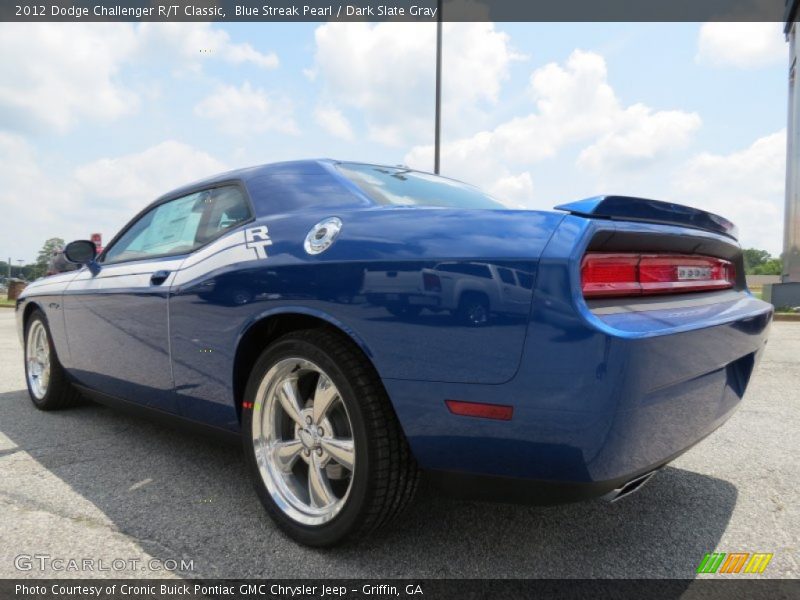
[
  {"x": 227, "y": 209},
  {"x": 404, "y": 187},
  {"x": 181, "y": 225},
  {"x": 525, "y": 280},
  {"x": 506, "y": 276}
]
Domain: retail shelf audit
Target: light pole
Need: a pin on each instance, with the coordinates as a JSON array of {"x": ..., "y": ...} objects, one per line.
[{"x": 438, "y": 124}]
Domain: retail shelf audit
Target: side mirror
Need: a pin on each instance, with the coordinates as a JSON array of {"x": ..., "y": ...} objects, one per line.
[{"x": 81, "y": 252}]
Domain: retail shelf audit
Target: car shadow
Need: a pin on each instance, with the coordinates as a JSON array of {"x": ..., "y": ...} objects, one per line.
[{"x": 180, "y": 495}]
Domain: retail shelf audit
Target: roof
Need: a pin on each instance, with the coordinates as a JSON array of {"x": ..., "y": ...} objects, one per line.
[{"x": 245, "y": 174}]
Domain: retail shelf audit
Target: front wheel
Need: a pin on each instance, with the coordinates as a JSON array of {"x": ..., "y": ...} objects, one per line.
[
  {"x": 328, "y": 457},
  {"x": 48, "y": 385}
]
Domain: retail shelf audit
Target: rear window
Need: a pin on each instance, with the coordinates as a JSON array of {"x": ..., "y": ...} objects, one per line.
[{"x": 401, "y": 186}]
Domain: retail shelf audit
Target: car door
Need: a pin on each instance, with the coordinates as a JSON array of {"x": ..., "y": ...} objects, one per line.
[{"x": 116, "y": 312}]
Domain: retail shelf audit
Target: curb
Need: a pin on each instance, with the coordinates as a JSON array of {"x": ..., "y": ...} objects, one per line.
[{"x": 786, "y": 317}]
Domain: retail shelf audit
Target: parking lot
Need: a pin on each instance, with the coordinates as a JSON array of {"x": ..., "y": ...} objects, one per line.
[{"x": 94, "y": 483}]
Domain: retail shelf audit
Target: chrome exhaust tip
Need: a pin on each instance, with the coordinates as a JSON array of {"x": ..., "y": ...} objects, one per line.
[{"x": 630, "y": 487}]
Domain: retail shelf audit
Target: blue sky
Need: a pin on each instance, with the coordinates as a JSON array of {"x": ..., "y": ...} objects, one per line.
[{"x": 98, "y": 119}]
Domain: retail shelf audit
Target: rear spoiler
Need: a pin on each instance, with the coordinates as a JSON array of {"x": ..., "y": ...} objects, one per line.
[{"x": 626, "y": 208}]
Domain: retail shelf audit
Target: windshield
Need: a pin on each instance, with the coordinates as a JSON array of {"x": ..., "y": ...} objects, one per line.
[{"x": 401, "y": 186}]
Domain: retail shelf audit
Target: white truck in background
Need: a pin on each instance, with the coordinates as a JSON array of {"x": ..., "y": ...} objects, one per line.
[{"x": 473, "y": 292}]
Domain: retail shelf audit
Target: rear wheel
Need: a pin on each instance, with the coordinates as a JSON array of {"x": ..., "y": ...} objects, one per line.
[
  {"x": 329, "y": 459},
  {"x": 473, "y": 309},
  {"x": 48, "y": 385}
]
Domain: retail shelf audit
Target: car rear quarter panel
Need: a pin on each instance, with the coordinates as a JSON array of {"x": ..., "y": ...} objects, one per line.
[{"x": 224, "y": 291}]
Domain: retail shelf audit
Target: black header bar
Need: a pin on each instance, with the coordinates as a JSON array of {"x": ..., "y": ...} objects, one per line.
[
  {"x": 746, "y": 586},
  {"x": 394, "y": 10}
]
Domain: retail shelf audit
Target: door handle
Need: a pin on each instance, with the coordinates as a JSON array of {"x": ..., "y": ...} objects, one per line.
[{"x": 159, "y": 277}]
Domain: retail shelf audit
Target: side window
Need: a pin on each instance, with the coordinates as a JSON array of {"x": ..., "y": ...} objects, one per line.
[
  {"x": 506, "y": 275},
  {"x": 476, "y": 270},
  {"x": 228, "y": 208},
  {"x": 181, "y": 225},
  {"x": 525, "y": 280}
]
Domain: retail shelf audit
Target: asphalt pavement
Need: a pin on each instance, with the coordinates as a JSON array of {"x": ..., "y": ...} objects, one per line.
[{"x": 95, "y": 484}]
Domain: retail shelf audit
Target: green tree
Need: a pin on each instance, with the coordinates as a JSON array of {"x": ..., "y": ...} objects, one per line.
[
  {"x": 33, "y": 271},
  {"x": 46, "y": 253},
  {"x": 773, "y": 266},
  {"x": 754, "y": 258}
]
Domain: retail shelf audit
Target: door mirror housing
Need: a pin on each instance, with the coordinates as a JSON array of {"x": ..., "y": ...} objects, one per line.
[{"x": 81, "y": 252}]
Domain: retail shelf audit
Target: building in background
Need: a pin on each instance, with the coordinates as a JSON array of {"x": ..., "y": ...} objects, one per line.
[
  {"x": 791, "y": 238},
  {"x": 787, "y": 293}
]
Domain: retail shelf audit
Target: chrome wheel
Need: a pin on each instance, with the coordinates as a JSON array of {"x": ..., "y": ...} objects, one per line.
[
  {"x": 476, "y": 313},
  {"x": 303, "y": 441},
  {"x": 37, "y": 358}
]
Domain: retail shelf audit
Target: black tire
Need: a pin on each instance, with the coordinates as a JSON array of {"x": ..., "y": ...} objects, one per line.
[
  {"x": 404, "y": 310},
  {"x": 385, "y": 476},
  {"x": 473, "y": 309},
  {"x": 60, "y": 391}
]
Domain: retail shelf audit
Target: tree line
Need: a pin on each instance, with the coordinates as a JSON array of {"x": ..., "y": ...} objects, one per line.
[{"x": 756, "y": 262}]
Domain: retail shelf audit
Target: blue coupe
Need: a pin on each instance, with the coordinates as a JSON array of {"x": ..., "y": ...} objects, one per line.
[{"x": 359, "y": 325}]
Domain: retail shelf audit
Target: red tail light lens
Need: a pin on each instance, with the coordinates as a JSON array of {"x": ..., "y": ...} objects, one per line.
[
  {"x": 608, "y": 275},
  {"x": 501, "y": 412}
]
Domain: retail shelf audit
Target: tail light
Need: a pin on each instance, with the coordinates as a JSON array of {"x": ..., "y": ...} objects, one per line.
[
  {"x": 607, "y": 275},
  {"x": 431, "y": 282},
  {"x": 501, "y": 412}
]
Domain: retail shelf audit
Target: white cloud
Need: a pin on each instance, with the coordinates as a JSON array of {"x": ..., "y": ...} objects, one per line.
[
  {"x": 334, "y": 122},
  {"x": 99, "y": 196},
  {"x": 27, "y": 196},
  {"x": 513, "y": 189},
  {"x": 245, "y": 110},
  {"x": 745, "y": 45},
  {"x": 194, "y": 42},
  {"x": 245, "y": 53},
  {"x": 640, "y": 136},
  {"x": 38, "y": 206},
  {"x": 54, "y": 74},
  {"x": 386, "y": 72},
  {"x": 746, "y": 187},
  {"x": 125, "y": 184},
  {"x": 574, "y": 103}
]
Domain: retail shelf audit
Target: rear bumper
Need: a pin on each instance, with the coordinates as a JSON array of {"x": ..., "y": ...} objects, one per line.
[
  {"x": 492, "y": 488},
  {"x": 592, "y": 409},
  {"x": 603, "y": 393}
]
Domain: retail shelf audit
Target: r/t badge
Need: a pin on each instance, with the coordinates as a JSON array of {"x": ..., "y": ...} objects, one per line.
[{"x": 258, "y": 239}]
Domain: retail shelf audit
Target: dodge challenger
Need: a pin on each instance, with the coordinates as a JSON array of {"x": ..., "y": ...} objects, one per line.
[{"x": 359, "y": 326}]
